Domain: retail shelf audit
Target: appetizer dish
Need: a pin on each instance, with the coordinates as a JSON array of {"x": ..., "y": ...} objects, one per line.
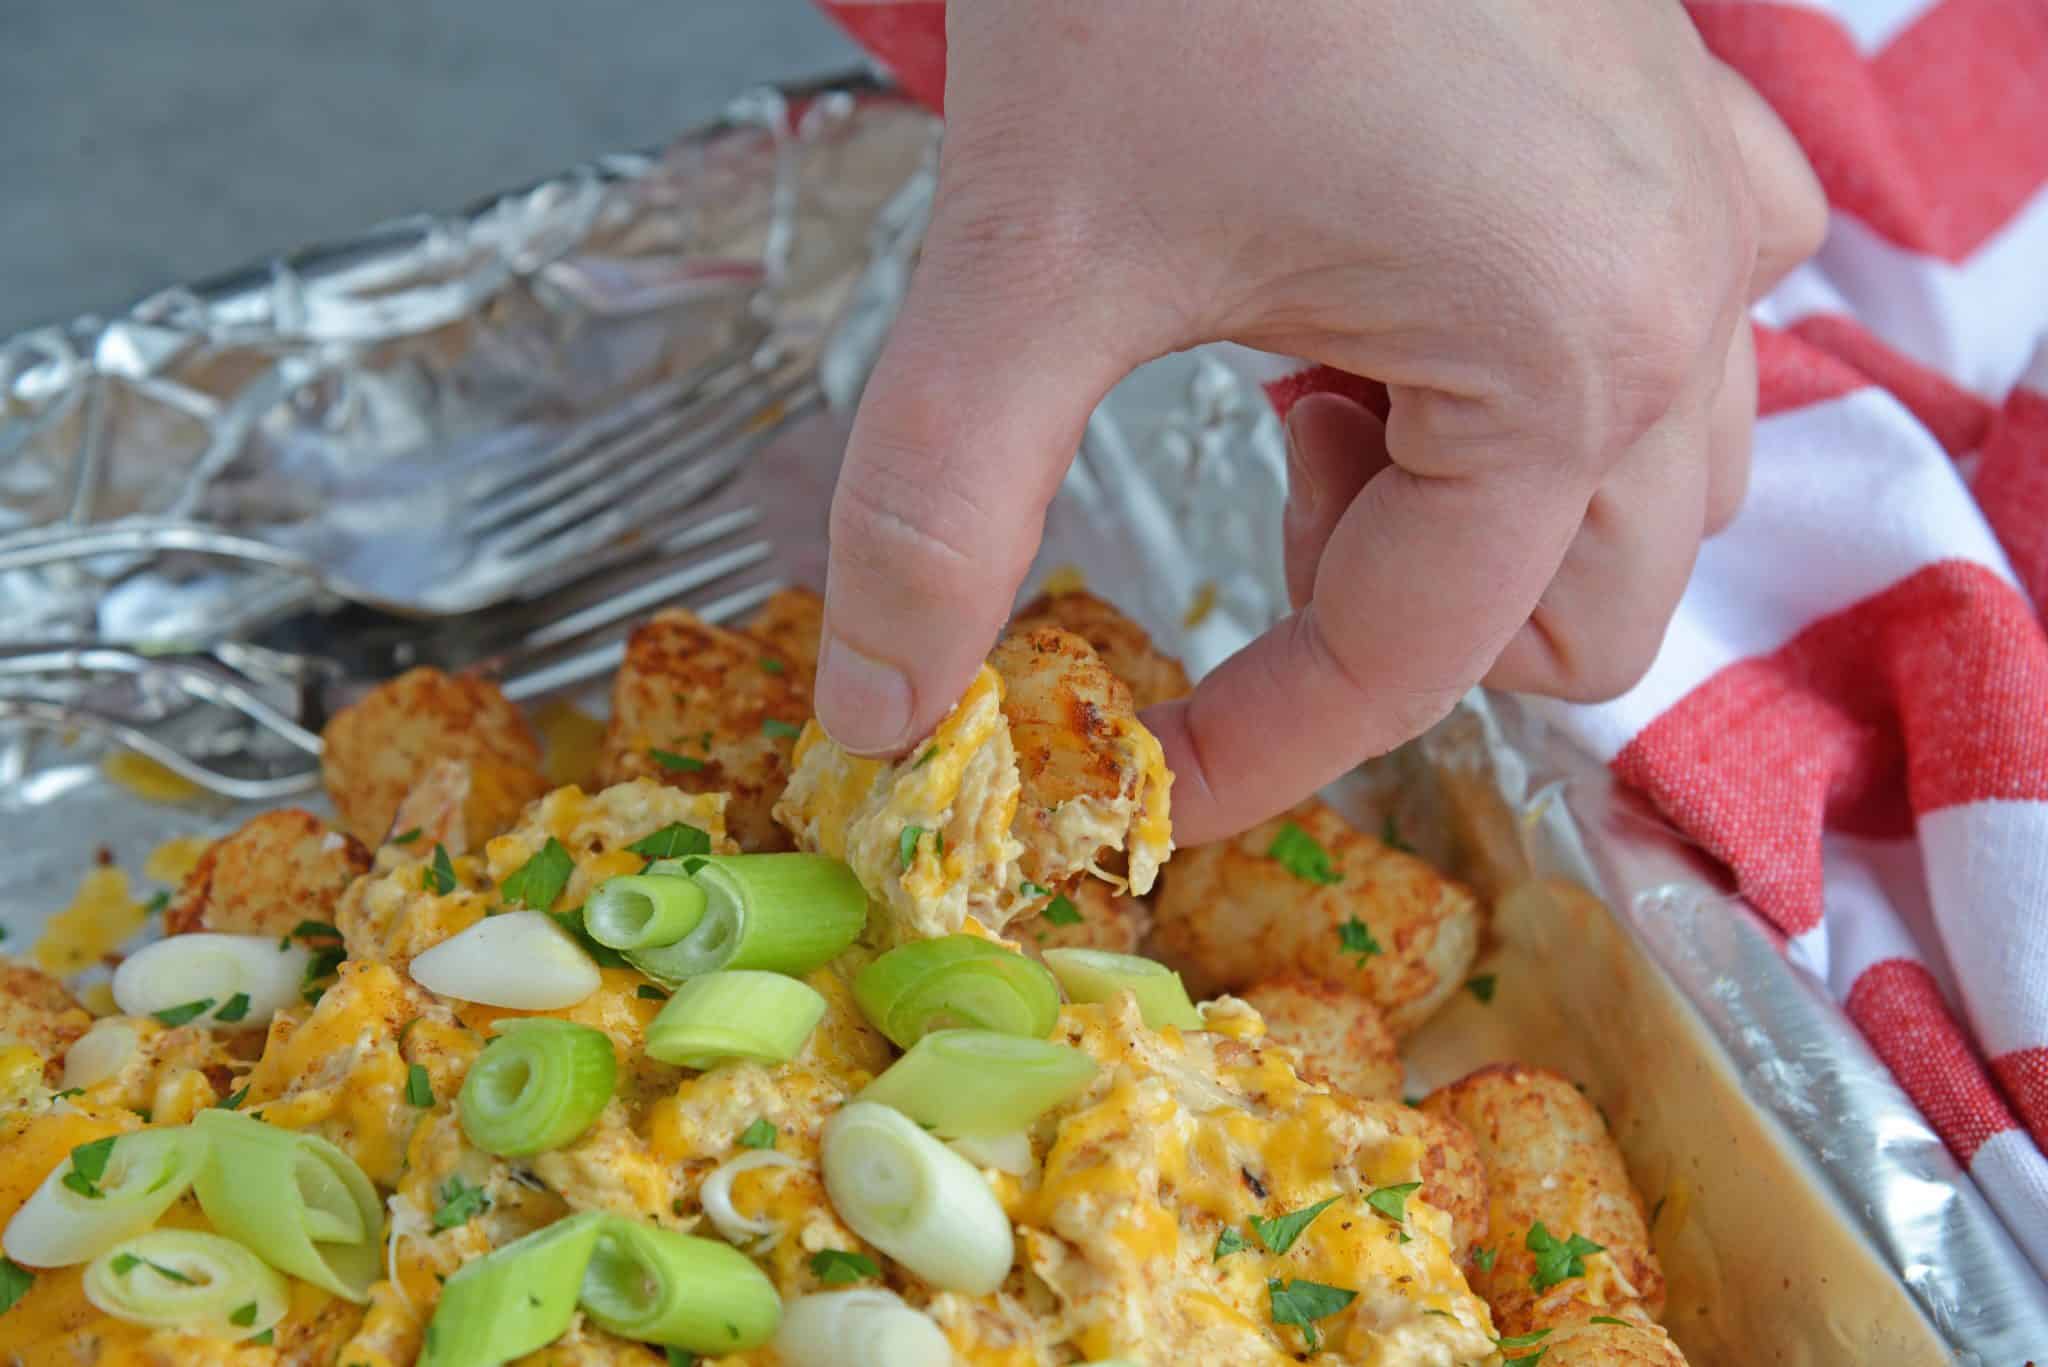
[{"x": 740, "y": 1049}]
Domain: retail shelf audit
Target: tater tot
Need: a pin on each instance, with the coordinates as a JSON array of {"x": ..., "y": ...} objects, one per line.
[
  {"x": 789, "y": 624},
  {"x": 722, "y": 720},
  {"x": 1609, "y": 1344},
  {"x": 35, "y": 1010},
  {"x": 1230, "y": 914},
  {"x": 279, "y": 869},
  {"x": 1151, "y": 675},
  {"x": 1453, "y": 1178},
  {"x": 1549, "y": 1161},
  {"x": 377, "y": 750},
  {"x": 1338, "y": 1036},
  {"x": 1108, "y": 920}
]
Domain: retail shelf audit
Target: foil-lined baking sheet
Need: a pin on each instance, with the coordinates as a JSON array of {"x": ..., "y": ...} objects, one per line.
[{"x": 325, "y": 402}]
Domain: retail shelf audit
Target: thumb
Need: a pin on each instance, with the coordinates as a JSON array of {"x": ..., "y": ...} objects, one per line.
[{"x": 967, "y": 425}]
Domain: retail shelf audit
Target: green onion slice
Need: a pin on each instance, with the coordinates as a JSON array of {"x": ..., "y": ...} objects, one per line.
[
  {"x": 144, "y": 1172},
  {"x": 537, "y": 1086},
  {"x": 864, "y": 1327},
  {"x": 513, "y": 1300},
  {"x": 786, "y": 913},
  {"x": 915, "y": 1199},
  {"x": 659, "y": 1286},
  {"x": 190, "y": 1280},
  {"x": 182, "y": 977},
  {"x": 956, "y": 980},
  {"x": 978, "y": 1082},
  {"x": 298, "y": 1201},
  {"x": 642, "y": 910},
  {"x": 740, "y": 1014},
  {"x": 1098, "y": 975}
]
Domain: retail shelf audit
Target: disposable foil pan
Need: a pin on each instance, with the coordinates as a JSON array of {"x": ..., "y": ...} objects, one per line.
[{"x": 1808, "y": 1214}]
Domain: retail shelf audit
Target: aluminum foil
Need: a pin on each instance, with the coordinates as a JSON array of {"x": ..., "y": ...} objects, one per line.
[{"x": 321, "y": 400}]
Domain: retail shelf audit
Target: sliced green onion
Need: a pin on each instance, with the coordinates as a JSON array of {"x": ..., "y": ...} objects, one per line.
[
  {"x": 715, "y": 1196},
  {"x": 915, "y": 1199},
  {"x": 143, "y": 1173},
  {"x": 514, "y": 1300},
  {"x": 1098, "y": 975},
  {"x": 956, "y": 980},
  {"x": 659, "y": 1286},
  {"x": 168, "y": 977},
  {"x": 640, "y": 910},
  {"x": 537, "y": 1086},
  {"x": 787, "y": 913},
  {"x": 977, "y": 1082},
  {"x": 520, "y": 959},
  {"x": 1009, "y": 1152},
  {"x": 101, "y": 1052},
  {"x": 297, "y": 1200},
  {"x": 190, "y": 1280},
  {"x": 738, "y": 1014},
  {"x": 865, "y": 1327}
]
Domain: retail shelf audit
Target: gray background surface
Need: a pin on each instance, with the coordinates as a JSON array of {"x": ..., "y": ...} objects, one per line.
[{"x": 145, "y": 142}]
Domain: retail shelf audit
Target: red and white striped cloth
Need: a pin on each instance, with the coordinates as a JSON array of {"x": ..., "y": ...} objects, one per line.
[{"x": 1851, "y": 707}]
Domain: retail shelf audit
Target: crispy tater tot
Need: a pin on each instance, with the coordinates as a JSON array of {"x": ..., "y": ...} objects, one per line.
[
  {"x": 1108, "y": 920},
  {"x": 1453, "y": 1178},
  {"x": 695, "y": 707},
  {"x": 279, "y": 869},
  {"x": 1150, "y": 674},
  {"x": 1230, "y": 914},
  {"x": 1610, "y": 1343},
  {"x": 789, "y": 624},
  {"x": 377, "y": 750},
  {"x": 36, "y": 1011},
  {"x": 1094, "y": 779},
  {"x": 1337, "y": 1035},
  {"x": 1549, "y": 1161}
]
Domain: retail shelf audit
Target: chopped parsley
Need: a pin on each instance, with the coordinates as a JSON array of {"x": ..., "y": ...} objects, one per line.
[
  {"x": 266, "y": 1338},
  {"x": 233, "y": 1100},
  {"x": 1529, "y": 1340},
  {"x": 926, "y": 757},
  {"x": 906, "y": 845},
  {"x": 682, "y": 764},
  {"x": 1390, "y": 836},
  {"x": 407, "y": 838},
  {"x": 1607, "y": 1319},
  {"x": 1355, "y": 937},
  {"x": 540, "y": 880},
  {"x": 124, "y": 1263},
  {"x": 1302, "y": 855},
  {"x": 759, "y": 1135},
  {"x": 419, "y": 1088},
  {"x": 1027, "y": 888},
  {"x": 836, "y": 1267},
  {"x": 15, "y": 1280},
  {"x": 439, "y": 876},
  {"x": 67, "y": 1092},
  {"x": 1481, "y": 986},
  {"x": 236, "y": 1008},
  {"x": 1557, "y": 1259},
  {"x": 1061, "y": 912},
  {"x": 604, "y": 955},
  {"x": 772, "y": 665},
  {"x": 681, "y": 1357},
  {"x": 1392, "y": 1202},
  {"x": 460, "y": 1203},
  {"x": 312, "y": 932},
  {"x": 1227, "y": 1243},
  {"x": 156, "y": 904},
  {"x": 1279, "y": 1233},
  {"x": 649, "y": 992},
  {"x": 326, "y": 959},
  {"x": 1302, "y": 1303},
  {"x": 775, "y": 726},
  {"x": 1482, "y": 1258},
  {"x": 88, "y": 1165},
  {"x": 673, "y": 841},
  {"x": 244, "y": 1315},
  {"x": 178, "y": 1015}
]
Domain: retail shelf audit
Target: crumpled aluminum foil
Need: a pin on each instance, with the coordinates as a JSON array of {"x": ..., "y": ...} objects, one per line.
[{"x": 269, "y": 399}]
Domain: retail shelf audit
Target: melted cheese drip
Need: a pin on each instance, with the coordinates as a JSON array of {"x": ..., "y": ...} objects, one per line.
[
  {"x": 147, "y": 779},
  {"x": 171, "y": 861},
  {"x": 101, "y": 916}
]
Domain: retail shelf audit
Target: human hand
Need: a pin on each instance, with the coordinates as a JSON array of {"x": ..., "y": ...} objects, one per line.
[{"x": 1538, "y": 225}]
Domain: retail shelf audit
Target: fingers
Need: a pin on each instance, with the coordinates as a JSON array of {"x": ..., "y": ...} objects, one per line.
[
  {"x": 1791, "y": 210},
  {"x": 972, "y": 415},
  {"x": 1421, "y": 584},
  {"x": 1333, "y": 447}
]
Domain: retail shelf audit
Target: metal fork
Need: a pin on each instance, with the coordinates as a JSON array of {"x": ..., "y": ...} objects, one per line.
[
  {"x": 241, "y": 720},
  {"x": 522, "y": 521}
]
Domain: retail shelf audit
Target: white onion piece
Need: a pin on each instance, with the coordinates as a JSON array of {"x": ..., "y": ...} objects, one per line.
[
  {"x": 859, "y": 1328},
  {"x": 716, "y": 1195},
  {"x": 520, "y": 960},
  {"x": 101, "y": 1052},
  {"x": 1009, "y": 1153},
  {"x": 180, "y": 969},
  {"x": 915, "y": 1199},
  {"x": 146, "y": 1171}
]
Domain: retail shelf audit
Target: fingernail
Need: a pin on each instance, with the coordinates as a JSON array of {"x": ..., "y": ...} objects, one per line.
[
  {"x": 1301, "y": 484},
  {"x": 863, "y": 703}
]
